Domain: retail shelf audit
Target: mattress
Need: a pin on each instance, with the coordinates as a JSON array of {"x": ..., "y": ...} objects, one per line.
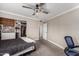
[{"x": 14, "y": 46}]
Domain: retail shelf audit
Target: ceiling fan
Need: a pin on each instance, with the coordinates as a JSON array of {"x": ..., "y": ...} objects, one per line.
[{"x": 39, "y": 7}]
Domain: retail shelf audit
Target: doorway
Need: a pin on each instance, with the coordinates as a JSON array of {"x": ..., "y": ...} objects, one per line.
[{"x": 23, "y": 29}]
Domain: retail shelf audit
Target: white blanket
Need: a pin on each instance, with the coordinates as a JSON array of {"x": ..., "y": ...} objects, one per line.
[{"x": 27, "y": 39}]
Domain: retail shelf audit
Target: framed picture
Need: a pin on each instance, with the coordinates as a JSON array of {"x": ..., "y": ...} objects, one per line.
[{"x": 8, "y": 29}]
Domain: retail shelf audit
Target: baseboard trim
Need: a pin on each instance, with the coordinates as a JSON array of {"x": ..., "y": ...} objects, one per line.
[
  {"x": 56, "y": 44},
  {"x": 53, "y": 43}
]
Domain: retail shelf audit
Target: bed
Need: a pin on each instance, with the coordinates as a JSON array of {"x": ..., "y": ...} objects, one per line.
[
  {"x": 12, "y": 46},
  {"x": 16, "y": 47}
]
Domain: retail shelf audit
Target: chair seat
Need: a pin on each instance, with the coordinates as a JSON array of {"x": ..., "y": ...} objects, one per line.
[
  {"x": 70, "y": 53},
  {"x": 71, "y": 49},
  {"x": 77, "y": 49}
]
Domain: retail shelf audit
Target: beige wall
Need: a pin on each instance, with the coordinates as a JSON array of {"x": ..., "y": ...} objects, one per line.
[
  {"x": 33, "y": 29},
  {"x": 67, "y": 24}
]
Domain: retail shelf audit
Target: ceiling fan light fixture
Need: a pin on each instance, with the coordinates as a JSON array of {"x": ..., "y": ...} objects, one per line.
[{"x": 38, "y": 9}]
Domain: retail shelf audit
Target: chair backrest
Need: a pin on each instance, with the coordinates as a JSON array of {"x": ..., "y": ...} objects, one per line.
[{"x": 69, "y": 41}]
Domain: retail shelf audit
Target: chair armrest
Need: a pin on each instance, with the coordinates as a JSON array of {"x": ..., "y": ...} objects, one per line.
[{"x": 65, "y": 50}]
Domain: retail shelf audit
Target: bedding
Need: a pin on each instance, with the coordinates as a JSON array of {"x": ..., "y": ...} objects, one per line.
[
  {"x": 25, "y": 51},
  {"x": 4, "y": 54},
  {"x": 14, "y": 46},
  {"x": 26, "y": 39}
]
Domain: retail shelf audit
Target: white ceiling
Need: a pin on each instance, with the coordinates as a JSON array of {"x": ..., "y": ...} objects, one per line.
[{"x": 53, "y": 8}]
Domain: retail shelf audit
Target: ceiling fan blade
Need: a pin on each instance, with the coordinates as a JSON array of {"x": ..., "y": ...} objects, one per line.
[
  {"x": 28, "y": 7},
  {"x": 45, "y": 12},
  {"x": 28, "y": 4},
  {"x": 41, "y": 4}
]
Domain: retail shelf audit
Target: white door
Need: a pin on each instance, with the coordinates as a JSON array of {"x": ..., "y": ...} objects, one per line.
[
  {"x": 41, "y": 32},
  {"x": 45, "y": 31}
]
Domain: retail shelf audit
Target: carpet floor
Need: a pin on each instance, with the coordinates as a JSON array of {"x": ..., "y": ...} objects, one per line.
[{"x": 44, "y": 50}]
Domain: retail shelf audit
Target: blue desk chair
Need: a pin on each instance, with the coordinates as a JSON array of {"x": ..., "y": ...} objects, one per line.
[{"x": 69, "y": 50}]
